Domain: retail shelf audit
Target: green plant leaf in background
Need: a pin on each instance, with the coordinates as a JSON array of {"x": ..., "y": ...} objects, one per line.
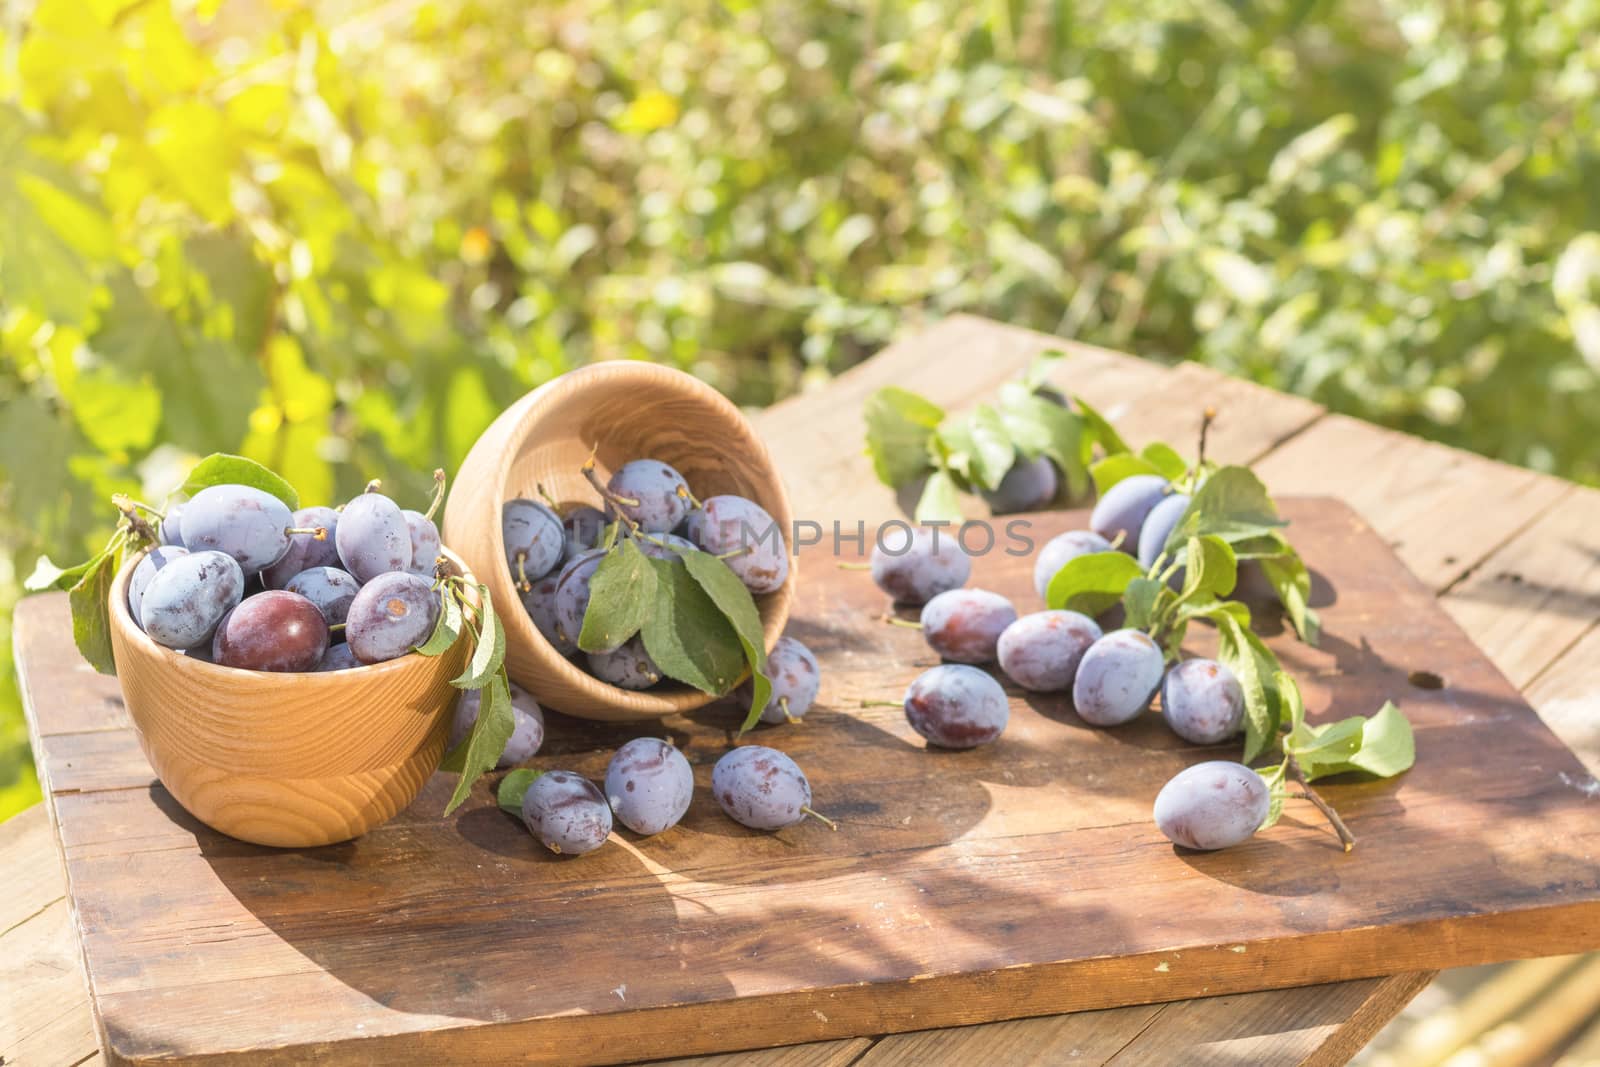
[
  {"x": 977, "y": 446},
  {"x": 940, "y": 500},
  {"x": 1231, "y": 504},
  {"x": 899, "y": 423}
]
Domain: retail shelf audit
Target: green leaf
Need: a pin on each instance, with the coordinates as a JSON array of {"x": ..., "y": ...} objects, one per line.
[
  {"x": 219, "y": 468},
  {"x": 1388, "y": 746},
  {"x": 1291, "y": 580},
  {"x": 1113, "y": 469},
  {"x": 899, "y": 423},
  {"x": 1382, "y": 745},
  {"x": 481, "y": 749},
  {"x": 1209, "y": 568},
  {"x": 1040, "y": 428},
  {"x": 488, "y": 658},
  {"x": 978, "y": 447},
  {"x": 687, "y": 634},
  {"x": 448, "y": 628},
  {"x": 513, "y": 787},
  {"x": 1165, "y": 460},
  {"x": 1328, "y": 748},
  {"x": 1294, "y": 705},
  {"x": 733, "y": 599},
  {"x": 91, "y": 612},
  {"x": 1037, "y": 376},
  {"x": 46, "y": 575},
  {"x": 1256, "y": 668},
  {"x": 1139, "y": 600},
  {"x": 1092, "y": 583},
  {"x": 1274, "y": 777},
  {"x": 1100, "y": 429},
  {"x": 941, "y": 499},
  {"x": 621, "y": 595},
  {"x": 1231, "y": 504}
]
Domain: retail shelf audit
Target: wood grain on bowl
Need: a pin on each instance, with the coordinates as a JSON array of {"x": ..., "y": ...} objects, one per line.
[
  {"x": 292, "y": 760},
  {"x": 617, "y": 411}
]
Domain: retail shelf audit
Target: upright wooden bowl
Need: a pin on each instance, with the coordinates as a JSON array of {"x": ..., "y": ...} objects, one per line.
[
  {"x": 621, "y": 411},
  {"x": 292, "y": 760}
]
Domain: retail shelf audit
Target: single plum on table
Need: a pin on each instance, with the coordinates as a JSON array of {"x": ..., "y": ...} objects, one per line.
[
  {"x": 649, "y": 785},
  {"x": 391, "y": 615},
  {"x": 964, "y": 625},
  {"x": 1030, "y": 484},
  {"x": 329, "y": 588},
  {"x": 913, "y": 567},
  {"x": 1212, "y": 805},
  {"x": 761, "y": 788},
  {"x": 1121, "y": 512},
  {"x": 567, "y": 813},
  {"x": 957, "y": 706},
  {"x": 651, "y": 493},
  {"x": 275, "y": 630},
  {"x": 747, "y": 539},
  {"x": 1041, "y": 651},
  {"x": 373, "y": 537},
  {"x": 1202, "y": 701},
  {"x": 1117, "y": 678},
  {"x": 187, "y": 598},
  {"x": 305, "y": 549},
  {"x": 527, "y": 731},
  {"x": 1061, "y": 550},
  {"x": 796, "y": 676}
]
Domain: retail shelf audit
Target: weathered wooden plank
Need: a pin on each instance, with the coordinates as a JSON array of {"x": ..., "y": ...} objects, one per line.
[
  {"x": 1089, "y": 1038},
  {"x": 1441, "y": 509},
  {"x": 1567, "y": 697},
  {"x": 1538, "y": 593},
  {"x": 44, "y": 1004},
  {"x": 1313, "y": 1024}
]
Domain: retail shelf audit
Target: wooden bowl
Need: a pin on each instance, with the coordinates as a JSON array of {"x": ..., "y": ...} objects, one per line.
[
  {"x": 292, "y": 760},
  {"x": 622, "y": 411}
]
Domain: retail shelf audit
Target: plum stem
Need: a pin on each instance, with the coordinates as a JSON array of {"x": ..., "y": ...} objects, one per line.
[
  {"x": 617, "y": 502},
  {"x": 545, "y": 494},
  {"x": 438, "y": 493},
  {"x": 694, "y": 501},
  {"x": 522, "y": 572},
  {"x": 1346, "y": 838},
  {"x": 736, "y": 553},
  {"x": 880, "y": 704},
  {"x": 907, "y": 623},
  {"x": 373, "y": 486},
  {"x": 130, "y": 511},
  {"x": 820, "y": 817},
  {"x": 1206, "y": 420},
  {"x": 336, "y": 626},
  {"x": 854, "y": 566},
  {"x": 318, "y": 533},
  {"x": 783, "y": 706}
]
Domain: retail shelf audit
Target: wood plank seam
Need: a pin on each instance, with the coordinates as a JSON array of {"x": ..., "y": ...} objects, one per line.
[{"x": 1533, "y": 519}]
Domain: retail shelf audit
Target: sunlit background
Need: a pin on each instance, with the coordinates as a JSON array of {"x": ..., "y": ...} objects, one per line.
[{"x": 339, "y": 237}]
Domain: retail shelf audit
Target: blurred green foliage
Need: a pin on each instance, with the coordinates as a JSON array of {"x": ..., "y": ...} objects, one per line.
[{"x": 338, "y": 237}]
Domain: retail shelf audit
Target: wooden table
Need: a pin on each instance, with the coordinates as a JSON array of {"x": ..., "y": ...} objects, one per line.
[{"x": 1513, "y": 555}]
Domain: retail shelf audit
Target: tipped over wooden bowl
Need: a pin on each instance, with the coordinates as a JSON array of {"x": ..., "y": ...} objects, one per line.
[
  {"x": 291, "y": 760},
  {"x": 620, "y": 411}
]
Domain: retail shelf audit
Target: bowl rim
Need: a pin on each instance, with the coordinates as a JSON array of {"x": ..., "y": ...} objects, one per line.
[
  {"x": 131, "y": 631},
  {"x": 539, "y": 404}
]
